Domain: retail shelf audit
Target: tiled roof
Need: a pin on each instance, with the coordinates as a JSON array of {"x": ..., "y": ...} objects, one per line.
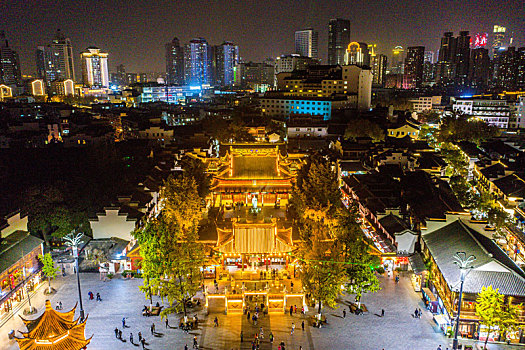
[
  {"x": 503, "y": 273},
  {"x": 393, "y": 224},
  {"x": 15, "y": 246}
]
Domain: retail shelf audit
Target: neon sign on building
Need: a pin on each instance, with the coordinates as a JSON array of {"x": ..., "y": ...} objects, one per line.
[{"x": 480, "y": 40}]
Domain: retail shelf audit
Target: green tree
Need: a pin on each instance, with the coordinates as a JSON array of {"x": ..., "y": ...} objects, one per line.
[
  {"x": 364, "y": 127},
  {"x": 455, "y": 128},
  {"x": 195, "y": 168},
  {"x": 171, "y": 255},
  {"x": 494, "y": 312},
  {"x": 359, "y": 263},
  {"x": 48, "y": 268}
]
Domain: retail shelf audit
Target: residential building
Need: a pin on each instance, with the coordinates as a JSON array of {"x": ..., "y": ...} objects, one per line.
[
  {"x": 338, "y": 40},
  {"x": 379, "y": 65},
  {"x": 226, "y": 58},
  {"x": 306, "y": 43},
  {"x": 95, "y": 68},
  {"x": 507, "y": 69},
  {"x": 493, "y": 112},
  {"x": 479, "y": 68},
  {"x": 255, "y": 75},
  {"x": 10, "y": 74},
  {"x": 198, "y": 63},
  {"x": 425, "y": 103},
  {"x": 520, "y": 69},
  {"x": 517, "y": 118},
  {"x": 462, "y": 58},
  {"x": 174, "y": 63},
  {"x": 289, "y": 63},
  {"x": 413, "y": 76}
]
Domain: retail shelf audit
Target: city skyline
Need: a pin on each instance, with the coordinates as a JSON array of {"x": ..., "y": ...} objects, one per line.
[{"x": 136, "y": 36}]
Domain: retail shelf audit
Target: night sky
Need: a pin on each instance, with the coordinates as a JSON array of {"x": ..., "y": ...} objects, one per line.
[{"x": 134, "y": 32}]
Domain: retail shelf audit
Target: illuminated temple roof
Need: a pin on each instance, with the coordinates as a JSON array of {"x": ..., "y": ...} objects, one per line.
[{"x": 54, "y": 330}]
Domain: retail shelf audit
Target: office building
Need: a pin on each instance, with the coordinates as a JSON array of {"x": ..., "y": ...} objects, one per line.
[
  {"x": 289, "y": 63},
  {"x": 413, "y": 76},
  {"x": 198, "y": 63},
  {"x": 479, "y": 68},
  {"x": 398, "y": 60},
  {"x": 63, "y": 50},
  {"x": 429, "y": 68},
  {"x": 447, "y": 49},
  {"x": 174, "y": 63},
  {"x": 429, "y": 56},
  {"x": 357, "y": 54},
  {"x": 63, "y": 87},
  {"x": 338, "y": 40},
  {"x": 306, "y": 43},
  {"x": 10, "y": 74},
  {"x": 462, "y": 58},
  {"x": 379, "y": 65},
  {"x": 288, "y": 106},
  {"x": 493, "y": 112},
  {"x": 95, "y": 68},
  {"x": 498, "y": 41},
  {"x": 226, "y": 58},
  {"x": 517, "y": 118}
]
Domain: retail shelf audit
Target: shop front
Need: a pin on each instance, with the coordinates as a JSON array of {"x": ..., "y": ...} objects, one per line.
[{"x": 430, "y": 300}]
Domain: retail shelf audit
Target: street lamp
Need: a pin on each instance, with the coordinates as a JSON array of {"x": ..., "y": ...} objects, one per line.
[
  {"x": 463, "y": 263},
  {"x": 73, "y": 240}
]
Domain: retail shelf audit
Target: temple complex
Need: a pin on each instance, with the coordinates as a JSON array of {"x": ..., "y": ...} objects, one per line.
[
  {"x": 252, "y": 237},
  {"x": 54, "y": 330}
]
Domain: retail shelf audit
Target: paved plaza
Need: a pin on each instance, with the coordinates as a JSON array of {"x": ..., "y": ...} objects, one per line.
[{"x": 122, "y": 298}]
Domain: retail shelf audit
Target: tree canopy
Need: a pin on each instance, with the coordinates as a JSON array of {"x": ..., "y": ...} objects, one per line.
[
  {"x": 364, "y": 127},
  {"x": 461, "y": 128}
]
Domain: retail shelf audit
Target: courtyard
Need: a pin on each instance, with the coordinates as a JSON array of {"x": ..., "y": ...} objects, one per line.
[{"x": 122, "y": 298}]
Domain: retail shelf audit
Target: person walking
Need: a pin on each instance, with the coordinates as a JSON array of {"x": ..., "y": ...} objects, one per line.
[
  {"x": 166, "y": 322},
  {"x": 140, "y": 337},
  {"x": 120, "y": 334},
  {"x": 195, "y": 344},
  {"x": 291, "y": 310},
  {"x": 248, "y": 315},
  {"x": 60, "y": 305},
  {"x": 420, "y": 313},
  {"x": 302, "y": 325},
  {"x": 123, "y": 322},
  {"x": 382, "y": 312},
  {"x": 131, "y": 338},
  {"x": 186, "y": 347},
  {"x": 344, "y": 313},
  {"x": 271, "y": 337},
  {"x": 116, "y": 333},
  {"x": 152, "y": 328},
  {"x": 242, "y": 336},
  {"x": 216, "y": 322},
  {"x": 293, "y": 328},
  {"x": 143, "y": 342},
  {"x": 90, "y": 295},
  {"x": 98, "y": 297},
  {"x": 261, "y": 333}
]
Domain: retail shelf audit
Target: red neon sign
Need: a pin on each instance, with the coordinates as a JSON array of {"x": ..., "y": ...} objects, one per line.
[{"x": 480, "y": 40}]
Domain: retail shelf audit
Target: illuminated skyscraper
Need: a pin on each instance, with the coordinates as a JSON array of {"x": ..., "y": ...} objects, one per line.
[
  {"x": 498, "y": 40},
  {"x": 9, "y": 64},
  {"x": 63, "y": 50},
  {"x": 358, "y": 54},
  {"x": 462, "y": 58},
  {"x": 226, "y": 58},
  {"x": 520, "y": 69},
  {"x": 198, "y": 63},
  {"x": 306, "y": 43},
  {"x": 413, "y": 76},
  {"x": 338, "y": 40},
  {"x": 479, "y": 68},
  {"x": 398, "y": 60},
  {"x": 174, "y": 63},
  {"x": 429, "y": 56},
  {"x": 507, "y": 75},
  {"x": 94, "y": 68}
]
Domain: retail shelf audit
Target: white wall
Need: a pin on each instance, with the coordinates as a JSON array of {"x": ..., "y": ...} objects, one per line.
[
  {"x": 112, "y": 225},
  {"x": 14, "y": 223}
]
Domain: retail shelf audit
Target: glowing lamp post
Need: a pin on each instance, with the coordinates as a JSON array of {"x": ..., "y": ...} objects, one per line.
[
  {"x": 73, "y": 240},
  {"x": 463, "y": 263}
]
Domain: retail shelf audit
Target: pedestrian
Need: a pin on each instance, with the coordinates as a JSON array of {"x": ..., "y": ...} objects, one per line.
[
  {"x": 167, "y": 325},
  {"x": 186, "y": 347},
  {"x": 195, "y": 344},
  {"x": 439, "y": 347},
  {"x": 143, "y": 342},
  {"x": 131, "y": 338},
  {"x": 120, "y": 334},
  {"x": 60, "y": 305},
  {"x": 152, "y": 328},
  {"x": 420, "y": 313},
  {"x": 248, "y": 315},
  {"x": 140, "y": 337},
  {"x": 116, "y": 333},
  {"x": 344, "y": 313},
  {"x": 98, "y": 297},
  {"x": 242, "y": 336},
  {"x": 57, "y": 306},
  {"x": 271, "y": 337},
  {"x": 261, "y": 333},
  {"x": 416, "y": 313},
  {"x": 293, "y": 328},
  {"x": 302, "y": 310},
  {"x": 216, "y": 322},
  {"x": 302, "y": 325},
  {"x": 291, "y": 310},
  {"x": 382, "y": 312},
  {"x": 90, "y": 295},
  {"x": 123, "y": 322},
  {"x": 295, "y": 309}
]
